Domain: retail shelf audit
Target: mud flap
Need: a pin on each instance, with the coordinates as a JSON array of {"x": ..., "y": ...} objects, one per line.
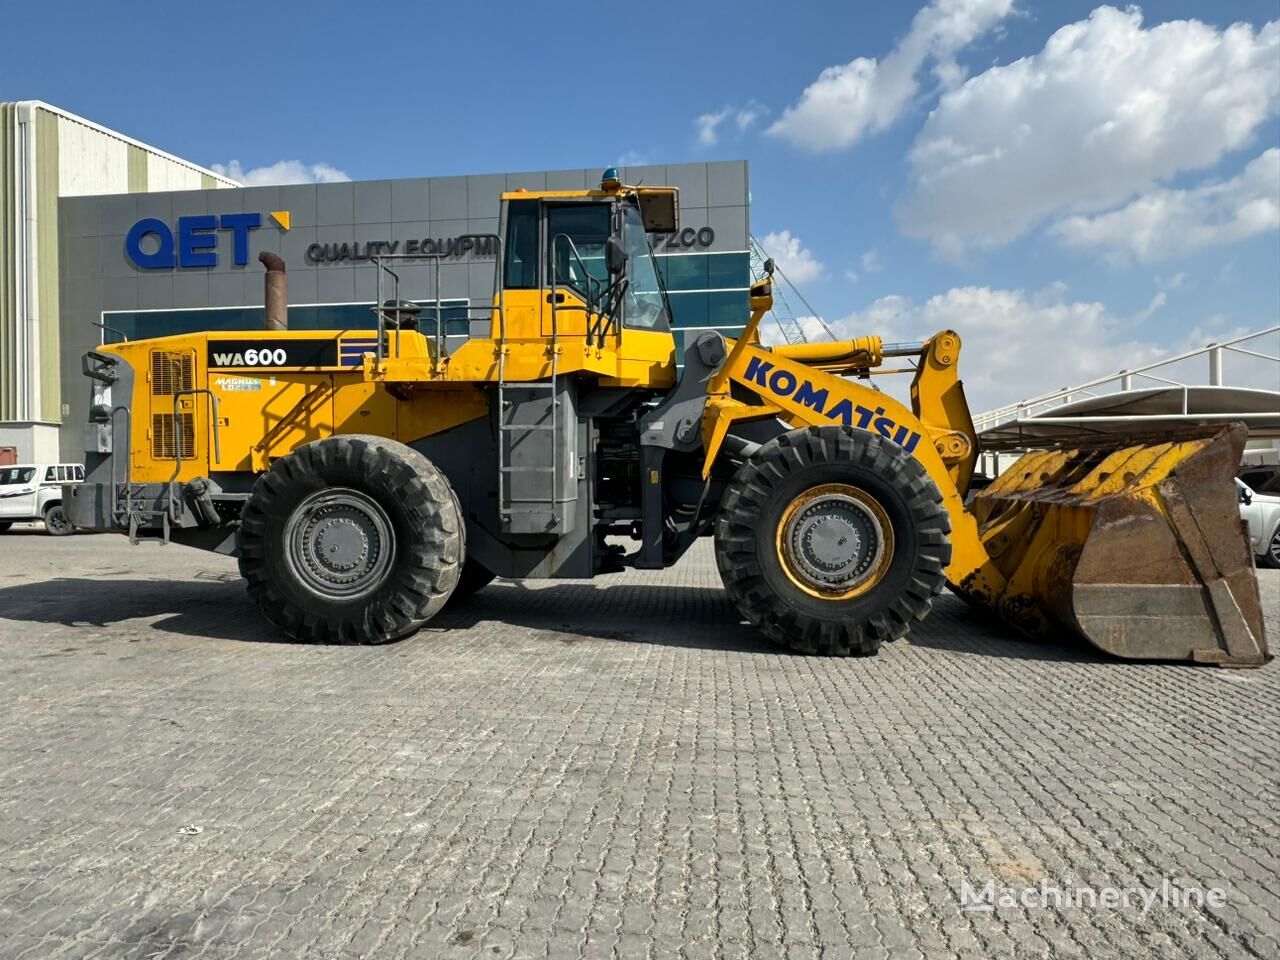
[{"x": 1138, "y": 546}]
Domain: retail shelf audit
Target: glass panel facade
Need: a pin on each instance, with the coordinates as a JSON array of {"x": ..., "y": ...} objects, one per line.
[
  {"x": 705, "y": 290},
  {"x": 138, "y": 325}
]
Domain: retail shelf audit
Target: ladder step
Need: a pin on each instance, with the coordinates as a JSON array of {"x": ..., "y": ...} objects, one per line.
[
  {"x": 528, "y": 426},
  {"x": 528, "y": 469}
]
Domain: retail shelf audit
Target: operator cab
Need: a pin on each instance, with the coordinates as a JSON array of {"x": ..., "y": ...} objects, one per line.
[{"x": 579, "y": 263}]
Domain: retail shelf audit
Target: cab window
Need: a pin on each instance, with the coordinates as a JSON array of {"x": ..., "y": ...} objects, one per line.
[
  {"x": 576, "y": 238},
  {"x": 521, "y": 267},
  {"x": 51, "y": 475},
  {"x": 13, "y": 476},
  {"x": 79, "y": 472}
]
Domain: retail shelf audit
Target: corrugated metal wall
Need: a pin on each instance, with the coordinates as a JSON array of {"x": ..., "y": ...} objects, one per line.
[
  {"x": 47, "y": 405},
  {"x": 8, "y": 266},
  {"x": 72, "y": 158}
]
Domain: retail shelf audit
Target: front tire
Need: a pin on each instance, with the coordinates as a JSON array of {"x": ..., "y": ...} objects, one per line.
[
  {"x": 832, "y": 541},
  {"x": 351, "y": 539},
  {"x": 5, "y": 525},
  {"x": 56, "y": 523}
]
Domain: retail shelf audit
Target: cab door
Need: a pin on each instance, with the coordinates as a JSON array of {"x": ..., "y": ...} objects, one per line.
[
  {"x": 521, "y": 276},
  {"x": 575, "y": 236}
]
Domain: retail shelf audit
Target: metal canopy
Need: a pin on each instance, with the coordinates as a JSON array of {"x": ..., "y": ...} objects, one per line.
[{"x": 1147, "y": 411}]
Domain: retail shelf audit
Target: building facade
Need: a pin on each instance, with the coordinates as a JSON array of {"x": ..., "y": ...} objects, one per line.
[
  {"x": 148, "y": 265},
  {"x": 47, "y": 154}
]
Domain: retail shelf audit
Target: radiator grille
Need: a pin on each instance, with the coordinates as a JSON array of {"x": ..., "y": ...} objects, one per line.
[
  {"x": 171, "y": 372},
  {"x": 163, "y": 441}
]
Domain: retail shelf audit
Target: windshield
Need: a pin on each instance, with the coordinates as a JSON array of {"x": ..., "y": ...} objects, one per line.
[
  {"x": 645, "y": 306},
  {"x": 10, "y": 476}
]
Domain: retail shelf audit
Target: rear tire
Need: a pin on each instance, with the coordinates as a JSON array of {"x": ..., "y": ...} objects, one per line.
[
  {"x": 56, "y": 523},
  {"x": 352, "y": 539},
  {"x": 832, "y": 541}
]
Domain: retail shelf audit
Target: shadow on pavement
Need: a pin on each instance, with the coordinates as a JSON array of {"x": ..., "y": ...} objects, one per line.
[
  {"x": 221, "y": 609},
  {"x": 215, "y": 609},
  {"x": 984, "y": 634},
  {"x": 661, "y": 614}
]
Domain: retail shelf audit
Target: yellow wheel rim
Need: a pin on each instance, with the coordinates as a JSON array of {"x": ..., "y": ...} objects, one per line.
[{"x": 835, "y": 541}]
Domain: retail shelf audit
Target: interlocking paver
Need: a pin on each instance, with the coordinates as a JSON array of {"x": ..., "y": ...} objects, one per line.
[{"x": 606, "y": 769}]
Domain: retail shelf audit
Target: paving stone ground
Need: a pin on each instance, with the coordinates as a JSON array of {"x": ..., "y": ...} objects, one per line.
[{"x": 606, "y": 769}]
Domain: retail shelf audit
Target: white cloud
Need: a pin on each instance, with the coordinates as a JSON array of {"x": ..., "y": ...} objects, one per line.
[
  {"x": 1015, "y": 346},
  {"x": 1158, "y": 301},
  {"x": 866, "y": 95},
  {"x": 708, "y": 126},
  {"x": 871, "y": 262},
  {"x": 1173, "y": 223},
  {"x": 1102, "y": 113},
  {"x": 281, "y": 172},
  {"x": 742, "y": 118},
  {"x": 814, "y": 329},
  {"x": 792, "y": 259}
]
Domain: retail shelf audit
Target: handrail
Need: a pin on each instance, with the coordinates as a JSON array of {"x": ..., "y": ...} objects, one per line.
[
  {"x": 177, "y": 438},
  {"x": 497, "y": 312},
  {"x": 1025, "y": 408}
]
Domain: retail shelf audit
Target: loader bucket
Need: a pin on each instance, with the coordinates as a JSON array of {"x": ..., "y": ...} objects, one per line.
[{"x": 1135, "y": 544}]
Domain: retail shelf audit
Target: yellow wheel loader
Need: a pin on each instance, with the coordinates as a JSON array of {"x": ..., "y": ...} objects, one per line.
[{"x": 365, "y": 477}]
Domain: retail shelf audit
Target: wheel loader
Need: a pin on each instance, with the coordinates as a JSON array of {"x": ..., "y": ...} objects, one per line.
[{"x": 364, "y": 478}]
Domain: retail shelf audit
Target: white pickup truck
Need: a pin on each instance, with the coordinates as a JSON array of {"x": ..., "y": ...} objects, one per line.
[
  {"x": 33, "y": 491},
  {"x": 1262, "y": 513}
]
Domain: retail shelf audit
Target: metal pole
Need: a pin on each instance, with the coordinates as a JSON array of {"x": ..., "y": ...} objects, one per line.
[
  {"x": 377, "y": 308},
  {"x": 1215, "y": 365},
  {"x": 1126, "y": 380}
]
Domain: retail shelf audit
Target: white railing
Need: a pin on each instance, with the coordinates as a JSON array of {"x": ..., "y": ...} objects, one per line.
[{"x": 1037, "y": 408}]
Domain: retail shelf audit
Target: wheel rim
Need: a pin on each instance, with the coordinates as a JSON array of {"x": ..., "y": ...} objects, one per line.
[
  {"x": 340, "y": 543},
  {"x": 835, "y": 541},
  {"x": 1275, "y": 548},
  {"x": 56, "y": 520}
]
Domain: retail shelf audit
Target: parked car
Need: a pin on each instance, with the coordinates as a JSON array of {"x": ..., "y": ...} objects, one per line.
[
  {"x": 1262, "y": 478},
  {"x": 33, "y": 491},
  {"x": 1262, "y": 513}
]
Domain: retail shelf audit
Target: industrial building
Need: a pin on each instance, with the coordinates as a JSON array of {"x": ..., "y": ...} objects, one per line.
[
  {"x": 47, "y": 154},
  {"x": 106, "y": 238}
]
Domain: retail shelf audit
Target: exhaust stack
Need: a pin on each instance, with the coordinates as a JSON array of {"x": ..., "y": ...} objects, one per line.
[{"x": 275, "y": 291}]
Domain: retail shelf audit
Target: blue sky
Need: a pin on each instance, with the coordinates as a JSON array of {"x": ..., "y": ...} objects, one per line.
[{"x": 1071, "y": 187}]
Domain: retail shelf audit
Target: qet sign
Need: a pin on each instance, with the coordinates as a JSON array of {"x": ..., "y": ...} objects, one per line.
[{"x": 152, "y": 245}]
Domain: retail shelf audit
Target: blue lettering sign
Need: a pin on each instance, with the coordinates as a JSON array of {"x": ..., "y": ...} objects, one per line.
[
  {"x": 240, "y": 224},
  {"x": 195, "y": 236},
  {"x": 163, "y": 258},
  {"x": 196, "y": 243}
]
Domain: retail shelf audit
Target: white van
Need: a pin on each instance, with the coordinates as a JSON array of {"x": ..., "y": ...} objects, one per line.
[{"x": 33, "y": 491}]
